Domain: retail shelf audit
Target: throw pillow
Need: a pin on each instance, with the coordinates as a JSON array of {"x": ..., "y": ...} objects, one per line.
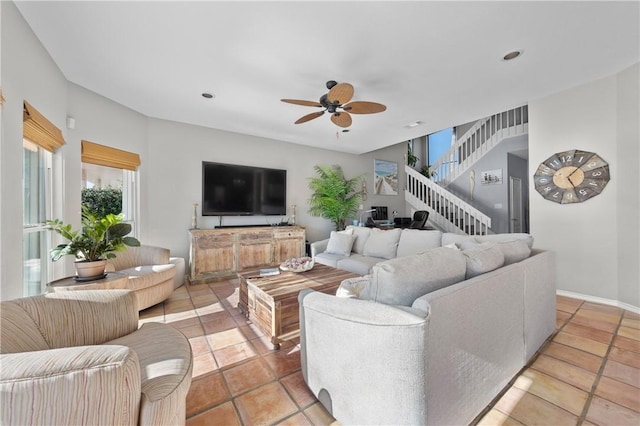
[
  {"x": 382, "y": 243},
  {"x": 483, "y": 258},
  {"x": 402, "y": 280},
  {"x": 514, "y": 251},
  {"x": 355, "y": 288},
  {"x": 340, "y": 244}
]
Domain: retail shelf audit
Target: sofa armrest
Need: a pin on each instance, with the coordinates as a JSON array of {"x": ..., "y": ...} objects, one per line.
[
  {"x": 353, "y": 351},
  {"x": 78, "y": 385},
  {"x": 102, "y": 315},
  {"x": 178, "y": 278},
  {"x": 318, "y": 247}
]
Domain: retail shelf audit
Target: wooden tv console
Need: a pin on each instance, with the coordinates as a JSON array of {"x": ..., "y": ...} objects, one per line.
[{"x": 221, "y": 253}]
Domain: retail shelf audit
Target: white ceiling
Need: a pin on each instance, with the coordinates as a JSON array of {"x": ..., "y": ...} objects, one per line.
[{"x": 436, "y": 62}]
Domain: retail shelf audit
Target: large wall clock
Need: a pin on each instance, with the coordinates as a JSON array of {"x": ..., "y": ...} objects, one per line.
[{"x": 571, "y": 176}]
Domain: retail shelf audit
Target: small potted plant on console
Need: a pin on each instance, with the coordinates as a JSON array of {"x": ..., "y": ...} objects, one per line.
[{"x": 98, "y": 241}]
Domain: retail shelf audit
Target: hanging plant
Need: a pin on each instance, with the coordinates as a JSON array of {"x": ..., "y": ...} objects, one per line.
[{"x": 411, "y": 157}]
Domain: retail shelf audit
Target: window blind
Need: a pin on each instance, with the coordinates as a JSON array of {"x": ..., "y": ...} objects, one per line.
[
  {"x": 39, "y": 130},
  {"x": 111, "y": 157}
]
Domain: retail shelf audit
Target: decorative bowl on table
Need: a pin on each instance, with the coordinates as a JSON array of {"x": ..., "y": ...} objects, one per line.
[{"x": 297, "y": 264}]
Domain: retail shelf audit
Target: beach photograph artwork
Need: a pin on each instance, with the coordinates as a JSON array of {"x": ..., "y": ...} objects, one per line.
[{"x": 385, "y": 177}]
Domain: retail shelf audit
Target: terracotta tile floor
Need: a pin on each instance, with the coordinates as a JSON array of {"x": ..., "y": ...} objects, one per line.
[{"x": 588, "y": 373}]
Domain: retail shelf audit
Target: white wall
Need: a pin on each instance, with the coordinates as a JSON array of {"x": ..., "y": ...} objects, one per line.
[
  {"x": 596, "y": 241},
  {"x": 171, "y": 155},
  {"x": 28, "y": 73},
  {"x": 628, "y": 161},
  {"x": 173, "y": 178}
]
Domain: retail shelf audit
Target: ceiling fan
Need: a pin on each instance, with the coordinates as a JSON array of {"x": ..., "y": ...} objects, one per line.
[{"x": 335, "y": 103}]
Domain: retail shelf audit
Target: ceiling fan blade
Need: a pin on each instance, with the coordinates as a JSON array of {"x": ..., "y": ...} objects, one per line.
[
  {"x": 362, "y": 107},
  {"x": 303, "y": 103},
  {"x": 342, "y": 119},
  {"x": 309, "y": 117},
  {"x": 340, "y": 93}
]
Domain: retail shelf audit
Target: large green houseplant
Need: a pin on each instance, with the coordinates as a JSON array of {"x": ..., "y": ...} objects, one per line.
[
  {"x": 97, "y": 241},
  {"x": 334, "y": 197}
]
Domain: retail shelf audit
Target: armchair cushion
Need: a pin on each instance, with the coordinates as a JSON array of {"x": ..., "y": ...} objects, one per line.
[{"x": 75, "y": 375}]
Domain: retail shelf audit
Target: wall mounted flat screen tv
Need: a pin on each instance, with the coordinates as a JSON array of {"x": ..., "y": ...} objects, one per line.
[{"x": 233, "y": 190}]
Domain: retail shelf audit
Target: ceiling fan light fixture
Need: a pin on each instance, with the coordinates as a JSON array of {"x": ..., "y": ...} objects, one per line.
[{"x": 509, "y": 56}]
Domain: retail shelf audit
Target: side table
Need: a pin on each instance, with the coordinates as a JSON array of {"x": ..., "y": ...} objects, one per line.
[{"x": 113, "y": 280}]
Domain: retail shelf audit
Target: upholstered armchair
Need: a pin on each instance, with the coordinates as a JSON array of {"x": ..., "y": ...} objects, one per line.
[
  {"x": 153, "y": 274},
  {"x": 78, "y": 357}
]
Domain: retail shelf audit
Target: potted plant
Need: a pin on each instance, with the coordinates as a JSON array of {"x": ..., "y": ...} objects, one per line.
[
  {"x": 98, "y": 241},
  {"x": 412, "y": 159},
  {"x": 334, "y": 197}
]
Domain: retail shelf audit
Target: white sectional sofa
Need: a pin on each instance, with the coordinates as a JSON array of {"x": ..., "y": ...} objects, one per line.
[
  {"x": 429, "y": 336},
  {"x": 358, "y": 249}
]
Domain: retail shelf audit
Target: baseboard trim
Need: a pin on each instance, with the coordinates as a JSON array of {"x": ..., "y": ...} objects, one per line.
[{"x": 602, "y": 300}]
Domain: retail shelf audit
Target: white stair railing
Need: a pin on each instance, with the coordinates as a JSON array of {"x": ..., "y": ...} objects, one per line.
[
  {"x": 446, "y": 211},
  {"x": 478, "y": 141}
]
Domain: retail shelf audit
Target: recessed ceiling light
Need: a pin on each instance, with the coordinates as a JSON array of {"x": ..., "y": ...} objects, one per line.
[
  {"x": 208, "y": 95},
  {"x": 414, "y": 124},
  {"x": 512, "y": 55}
]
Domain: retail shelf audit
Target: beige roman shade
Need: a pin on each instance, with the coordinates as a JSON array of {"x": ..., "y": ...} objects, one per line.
[
  {"x": 111, "y": 157},
  {"x": 39, "y": 130}
]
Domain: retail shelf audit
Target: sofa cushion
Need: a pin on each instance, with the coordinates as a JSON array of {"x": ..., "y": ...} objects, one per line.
[
  {"x": 358, "y": 264},
  {"x": 328, "y": 259},
  {"x": 400, "y": 281},
  {"x": 382, "y": 243},
  {"x": 340, "y": 243},
  {"x": 453, "y": 238},
  {"x": 362, "y": 235},
  {"x": 483, "y": 258},
  {"x": 501, "y": 238},
  {"x": 414, "y": 241}
]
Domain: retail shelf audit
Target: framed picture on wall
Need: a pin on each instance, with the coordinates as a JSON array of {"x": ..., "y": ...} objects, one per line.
[
  {"x": 491, "y": 176},
  {"x": 385, "y": 177}
]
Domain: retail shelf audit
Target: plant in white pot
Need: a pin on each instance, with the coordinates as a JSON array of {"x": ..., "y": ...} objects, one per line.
[{"x": 98, "y": 241}]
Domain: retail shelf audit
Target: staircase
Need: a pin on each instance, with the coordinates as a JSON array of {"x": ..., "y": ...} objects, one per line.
[
  {"x": 477, "y": 141},
  {"x": 446, "y": 211}
]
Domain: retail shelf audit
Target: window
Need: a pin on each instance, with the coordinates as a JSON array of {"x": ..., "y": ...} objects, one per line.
[
  {"x": 438, "y": 144},
  {"x": 109, "y": 181},
  {"x": 41, "y": 139},
  {"x": 110, "y": 190}
]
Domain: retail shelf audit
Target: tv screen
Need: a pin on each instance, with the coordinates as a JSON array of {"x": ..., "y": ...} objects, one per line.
[{"x": 230, "y": 190}]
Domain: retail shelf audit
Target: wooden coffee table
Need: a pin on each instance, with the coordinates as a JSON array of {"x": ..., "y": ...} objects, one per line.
[{"x": 271, "y": 302}]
